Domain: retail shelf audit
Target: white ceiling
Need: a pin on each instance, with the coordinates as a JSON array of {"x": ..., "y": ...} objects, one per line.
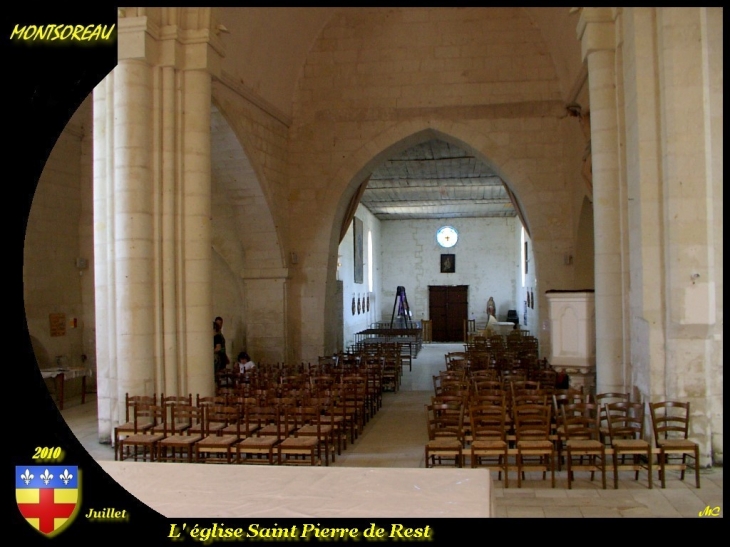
[{"x": 435, "y": 179}]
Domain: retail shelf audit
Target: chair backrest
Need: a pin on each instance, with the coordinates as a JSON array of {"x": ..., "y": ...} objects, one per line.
[
  {"x": 625, "y": 420},
  {"x": 148, "y": 414},
  {"x": 487, "y": 422},
  {"x": 445, "y": 420},
  {"x": 216, "y": 414},
  {"x": 532, "y": 422},
  {"x": 670, "y": 420},
  {"x": 530, "y": 396},
  {"x": 602, "y": 399},
  {"x": 131, "y": 401},
  {"x": 304, "y": 415},
  {"x": 481, "y": 385},
  {"x": 183, "y": 414},
  {"x": 494, "y": 398},
  {"x": 568, "y": 396},
  {"x": 580, "y": 421}
]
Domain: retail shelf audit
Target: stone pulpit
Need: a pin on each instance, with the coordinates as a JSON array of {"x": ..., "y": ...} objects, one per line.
[{"x": 573, "y": 335}]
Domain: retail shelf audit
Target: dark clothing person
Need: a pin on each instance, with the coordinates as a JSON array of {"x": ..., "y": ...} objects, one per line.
[{"x": 220, "y": 357}]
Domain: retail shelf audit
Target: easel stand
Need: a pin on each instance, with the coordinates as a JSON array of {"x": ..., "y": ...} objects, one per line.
[{"x": 401, "y": 305}]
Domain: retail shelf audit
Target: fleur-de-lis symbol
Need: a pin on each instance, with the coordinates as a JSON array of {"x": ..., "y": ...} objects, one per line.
[
  {"x": 46, "y": 477},
  {"x": 27, "y": 476},
  {"x": 66, "y": 477}
]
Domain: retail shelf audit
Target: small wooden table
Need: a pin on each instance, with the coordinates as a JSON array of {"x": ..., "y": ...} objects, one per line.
[{"x": 63, "y": 374}]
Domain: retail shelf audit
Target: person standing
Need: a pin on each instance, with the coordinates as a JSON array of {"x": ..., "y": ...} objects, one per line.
[{"x": 220, "y": 357}]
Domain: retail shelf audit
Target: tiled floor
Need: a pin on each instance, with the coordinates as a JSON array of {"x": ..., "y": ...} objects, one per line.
[{"x": 396, "y": 436}]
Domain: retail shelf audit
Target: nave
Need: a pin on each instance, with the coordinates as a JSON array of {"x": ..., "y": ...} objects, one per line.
[{"x": 396, "y": 437}]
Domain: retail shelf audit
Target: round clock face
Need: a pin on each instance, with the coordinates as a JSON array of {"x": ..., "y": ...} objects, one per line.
[{"x": 447, "y": 236}]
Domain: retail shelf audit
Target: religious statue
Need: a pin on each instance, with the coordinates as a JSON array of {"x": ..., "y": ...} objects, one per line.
[{"x": 491, "y": 307}]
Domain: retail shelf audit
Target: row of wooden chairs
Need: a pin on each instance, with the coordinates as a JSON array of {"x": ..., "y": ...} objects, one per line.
[
  {"x": 220, "y": 434},
  {"x": 343, "y": 409},
  {"x": 373, "y": 376},
  {"x": 490, "y": 440}
]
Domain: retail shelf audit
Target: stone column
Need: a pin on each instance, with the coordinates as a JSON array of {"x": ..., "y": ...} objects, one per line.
[
  {"x": 596, "y": 31},
  {"x": 133, "y": 229},
  {"x": 152, "y": 210},
  {"x": 689, "y": 42},
  {"x": 196, "y": 232}
]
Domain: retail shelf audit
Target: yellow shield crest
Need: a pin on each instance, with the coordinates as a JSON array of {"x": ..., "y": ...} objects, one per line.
[{"x": 48, "y": 496}]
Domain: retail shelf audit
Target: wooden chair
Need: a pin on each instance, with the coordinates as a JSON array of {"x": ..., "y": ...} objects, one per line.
[
  {"x": 177, "y": 446},
  {"x": 334, "y": 415},
  {"x": 584, "y": 449},
  {"x": 129, "y": 427},
  {"x": 141, "y": 436},
  {"x": 374, "y": 375},
  {"x": 392, "y": 369},
  {"x": 560, "y": 398},
  {"x": 480, "y": 385},
  {"x": 489, "y": 447},
  {"x": 304, "y": 446},
  {"x": 203, "y": 403},
  {"x": 602, "y": 399},
  {"x": 168, "y": 401},
  {"x": 445, "y": 423},
  {"x": 215, "y": 447},
  {"x": 352, "y": 397},
  {"x": 535, "y": 450},
  {"x": 670, "y": 422},
  {"x": 626, "y": 430},
  {"x": 257, "y": 448}
]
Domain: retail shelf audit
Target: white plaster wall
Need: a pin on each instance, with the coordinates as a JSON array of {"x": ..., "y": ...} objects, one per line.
[
  {"x": 356, "y": 322},
  {"x": 57, "y": 226},
  {"x": 487, "y": 259}
]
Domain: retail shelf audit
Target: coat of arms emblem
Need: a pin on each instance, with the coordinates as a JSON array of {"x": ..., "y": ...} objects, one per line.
[{"x": 48, "y": 496}]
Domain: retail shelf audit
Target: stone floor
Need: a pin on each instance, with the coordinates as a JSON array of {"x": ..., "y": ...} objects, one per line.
[{"x": 396, "y": 436}]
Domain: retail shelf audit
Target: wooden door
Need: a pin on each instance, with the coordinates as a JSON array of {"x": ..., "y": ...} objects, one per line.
[{"x": 448, "y": 307}]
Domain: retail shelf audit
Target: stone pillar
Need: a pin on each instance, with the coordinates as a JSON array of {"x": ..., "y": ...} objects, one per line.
[
  {"x": 134, "y": 245},
  {"x": 104, "y": 286},
  {"x": 596, "y": 31},
  {"x": 689, "y": 43},
  {"x": 152, "y": 210}
]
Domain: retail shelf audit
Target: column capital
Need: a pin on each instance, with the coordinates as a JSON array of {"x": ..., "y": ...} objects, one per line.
[
  {"x": 596, "y": 30},
  {"x": 183, "y": 38}
]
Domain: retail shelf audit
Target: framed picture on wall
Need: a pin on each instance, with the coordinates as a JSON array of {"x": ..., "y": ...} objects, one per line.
[
  {"x": 448, "y": 263},
  {"x": 357, "y": 231}
]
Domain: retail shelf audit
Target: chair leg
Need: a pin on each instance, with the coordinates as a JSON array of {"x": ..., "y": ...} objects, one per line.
[
  {"x": 697, "y": 466},
  {"x": 649, "y": 457},
  {"x": 551, "y": 458},
  {"x": 662, "y": 468},
  {"x": 506, "y": 470}
]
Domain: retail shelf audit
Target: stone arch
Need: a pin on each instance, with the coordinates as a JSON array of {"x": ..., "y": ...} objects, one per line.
[
  {"x": 242, "y": 183},
  {"x": 246, "y": 235},
  {"x": 357, "y": 167}
]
